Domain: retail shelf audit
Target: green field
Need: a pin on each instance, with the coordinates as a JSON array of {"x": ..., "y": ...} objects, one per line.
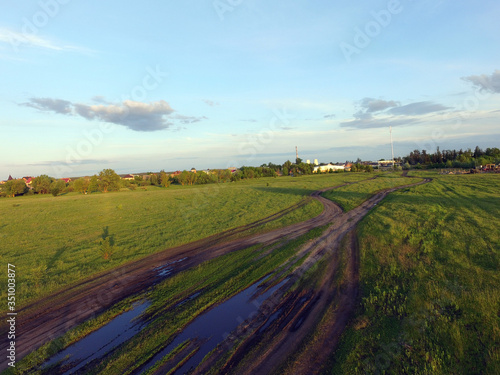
[
  {"x": 55, "y": 241},
  {"x": 351, "y": 196},
  {"x": 429, "y": 262},
  {"x": 430, "y": 301}
]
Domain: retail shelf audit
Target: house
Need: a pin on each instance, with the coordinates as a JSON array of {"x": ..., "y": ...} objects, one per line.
[
  {"x": 66, "y": 180},
  {"x": 176, "y": 173},
  {"x": 193, "y": 170},
  {"x": 128, "y": 177},
  {"x": 28, "y": 181}
]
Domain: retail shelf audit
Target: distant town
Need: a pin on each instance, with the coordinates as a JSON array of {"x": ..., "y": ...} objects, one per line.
[{"x": 468, "y": 161}]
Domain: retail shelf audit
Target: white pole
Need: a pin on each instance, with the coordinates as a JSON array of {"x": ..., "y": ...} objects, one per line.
[{"x": 392, "y": 147}]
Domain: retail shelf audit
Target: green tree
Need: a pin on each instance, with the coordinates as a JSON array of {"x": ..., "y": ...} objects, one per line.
[
  {"x": 57, "y": 187},
  {"x": 154, "y": 179},
  {"x": 93, "y": 184},
  {"x": 287, "y": 164},
  {"x": 164, "y": 179},
  {"x": 42, "y": 183},
  {"x": 109, "y": 180},
  {"x": 183, "y": 178},
  {"x": 81, "y": 185},
  {"x": 14, "y": 187}
]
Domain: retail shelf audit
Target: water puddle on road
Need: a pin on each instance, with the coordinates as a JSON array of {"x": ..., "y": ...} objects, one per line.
[
  {"x": 100, "y": 342},
  {"x": 166, "y": 269},
  {"x": 214, "y": 326}
]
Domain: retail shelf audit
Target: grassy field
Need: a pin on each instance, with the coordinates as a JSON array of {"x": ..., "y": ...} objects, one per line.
[
  {"x": 430, "y": 261},
  {"x": 351, "y": 196},
  {"x": 55, "y": 241}
]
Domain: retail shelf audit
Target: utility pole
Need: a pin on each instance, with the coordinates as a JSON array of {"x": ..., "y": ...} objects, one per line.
[{"x": 392, "y": 147}]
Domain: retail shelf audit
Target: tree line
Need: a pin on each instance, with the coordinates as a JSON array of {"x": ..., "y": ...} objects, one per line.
[{"x": 452, "y": 158}]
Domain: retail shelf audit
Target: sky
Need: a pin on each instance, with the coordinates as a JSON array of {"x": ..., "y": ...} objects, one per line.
[{"x": 145, "y": 86}]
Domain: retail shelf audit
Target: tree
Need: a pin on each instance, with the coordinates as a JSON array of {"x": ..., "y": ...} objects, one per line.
[
  {"x": 109, "y": 180},
  {"x": 154, "y": 179},
  {"x": 183, "y": 178},
  {"x": 42, "y": 183},
  {"x": 81, "y": 185},
  {"x": 15, "y": 187},
  {"x": 57, "y": 187},
  {"x": 93, "y": 184},
  {"x": 164, "y": 179},
  {"x": 287, "y": 167}
]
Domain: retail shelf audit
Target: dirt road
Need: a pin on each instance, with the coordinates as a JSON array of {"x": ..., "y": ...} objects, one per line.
[
  {"x": 47, "y": 319},
  {"x": 52, "y": 316},
  {"x": 329, "y": 305}
]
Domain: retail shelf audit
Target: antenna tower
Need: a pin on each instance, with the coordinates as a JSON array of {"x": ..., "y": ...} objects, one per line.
[
  {"x": 392, "y": 146},
  {"x": 296, "y": 153}
]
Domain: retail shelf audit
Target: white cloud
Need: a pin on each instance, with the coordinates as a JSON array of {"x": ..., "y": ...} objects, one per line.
[{"x": 18, "y": 39}]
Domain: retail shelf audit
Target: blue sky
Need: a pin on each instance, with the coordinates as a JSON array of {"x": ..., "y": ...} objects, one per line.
[{"x": 213, "y": 84}]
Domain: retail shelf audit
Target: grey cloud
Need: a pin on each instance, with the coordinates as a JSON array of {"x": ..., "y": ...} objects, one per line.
[
  {"x": 376, "y": 105},
  {"x": 137, "y": 116},
  {"x": 47, "y": 104},
  {"x": 419, "y": 108},
  {"x": 329, "y": 116},
  {"x": 486, "y": 82},
  {"x": 372, "y": 123},
  {"x": 134, "y": 115},
  {"x": 188, "y": 119}
]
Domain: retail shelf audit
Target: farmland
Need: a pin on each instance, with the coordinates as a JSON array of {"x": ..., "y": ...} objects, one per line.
[{"x": 428, "y": 272}]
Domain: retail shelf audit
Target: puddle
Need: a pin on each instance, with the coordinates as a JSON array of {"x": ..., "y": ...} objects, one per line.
[
  {"x": 270, "y": 320},
  {"x": 166, "y": 269},
  {"x": 214, "y": 325},
  {"x": 98, "y": 343}
]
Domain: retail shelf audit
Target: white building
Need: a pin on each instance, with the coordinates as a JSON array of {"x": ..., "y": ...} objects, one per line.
[{"x": 327, "y": 168}]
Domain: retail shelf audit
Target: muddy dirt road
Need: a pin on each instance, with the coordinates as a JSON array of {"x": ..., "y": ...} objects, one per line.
[{"x": 327, "y": 306}]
